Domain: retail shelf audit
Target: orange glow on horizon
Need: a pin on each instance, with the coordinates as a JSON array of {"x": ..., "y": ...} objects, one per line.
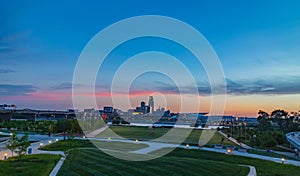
[{"x": 241, "y": 105}]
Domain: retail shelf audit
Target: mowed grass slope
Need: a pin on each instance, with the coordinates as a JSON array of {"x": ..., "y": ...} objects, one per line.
[
  {"x": 65, "y": 145},
  {"x": 94, "y": 162},
  {"x": 178, "y": 162},
  {"x": 145, "y": 133},
  {"x": 263, "y": 168},
  {"x": 30, "y": 165}
]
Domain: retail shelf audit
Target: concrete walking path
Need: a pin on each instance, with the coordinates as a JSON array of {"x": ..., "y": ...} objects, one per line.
[
  {"x": 96, "y": 132},
  {"x": 252, "y": 171},
  {"x": 235, "y": 141},
  {"x": 58, "y": 166}
]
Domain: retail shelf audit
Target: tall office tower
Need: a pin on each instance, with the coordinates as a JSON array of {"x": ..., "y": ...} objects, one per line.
[
  {"x": 151, "y": 104},
  {"x": 143, "y": 104}
]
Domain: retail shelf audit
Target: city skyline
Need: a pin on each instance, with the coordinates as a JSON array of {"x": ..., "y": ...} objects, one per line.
[{"x": 41, "y": 42}]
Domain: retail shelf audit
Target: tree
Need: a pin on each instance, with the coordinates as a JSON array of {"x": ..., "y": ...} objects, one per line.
[
  {"x": 222, "y": 140},
  {"x": 263, "y": 124},
  {"x": 12, "y": 143},
  {"x": 267, "y": 140},
  {"x": 50, "y": 129},
  {"x": 262, "y": 114},
  {"x": 23, "y": 144},
  {"x": 278, "y": 114}
]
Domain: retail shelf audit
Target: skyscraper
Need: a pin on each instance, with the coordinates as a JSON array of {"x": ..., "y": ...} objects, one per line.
[{"x": 151, "y": 104}]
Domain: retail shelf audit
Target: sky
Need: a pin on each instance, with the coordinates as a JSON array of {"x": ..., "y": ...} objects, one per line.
[{"x": 257, "y": 44}]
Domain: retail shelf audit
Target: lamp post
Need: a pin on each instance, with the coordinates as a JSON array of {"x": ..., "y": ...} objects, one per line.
[
  {"x": 5, "y": 156},
  {"x": 245, "y": 123},
  {"x": 229, "y": 151},
  {"x": 282, "y": 160}
]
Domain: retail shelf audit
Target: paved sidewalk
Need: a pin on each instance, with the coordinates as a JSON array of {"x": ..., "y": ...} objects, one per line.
[
  {"x": 96, "y": 132},
  {"x": 235, "y": 141},
  {"x": 252, "y": 171},
  {"x": 58, "y": 166}
]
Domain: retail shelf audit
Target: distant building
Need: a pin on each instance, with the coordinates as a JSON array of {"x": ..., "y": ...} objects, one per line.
[
  {"x": 108, "y": 109},
  {"x": 92, "y": 110},
  {"x": 8, "y": 107},
  {"x": 143, "y": 108},
  {"x": 34, "y": 115},
  {"x": 151, "y": 104}
]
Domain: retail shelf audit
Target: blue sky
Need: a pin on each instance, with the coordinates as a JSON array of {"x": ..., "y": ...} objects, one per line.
[{"x": 256, "y": 42}]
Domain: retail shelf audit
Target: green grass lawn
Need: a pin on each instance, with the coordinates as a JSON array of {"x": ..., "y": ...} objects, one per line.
[
  {"x": 30, "y": 165},
  {"x": 145, "y": 133},
  {"x": 265, "y": 153},
  {"x": 263, "y": 168},
  {"x": 178, "y": 162},
  {"x": 65, "y": 145},
  {"x": 95, "y": 162}
]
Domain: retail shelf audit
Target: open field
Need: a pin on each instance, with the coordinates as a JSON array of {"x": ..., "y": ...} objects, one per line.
[
  {"x": 30, "y": 165},
  {"x": 94, "y": 162},
  {"x": 263, "y": 168},
  {"x": 178, "y": 162},
  {"x": 194, "y": 162},
  {"x": 65, "y": 145},
  {"x": 145, "y": 133}
]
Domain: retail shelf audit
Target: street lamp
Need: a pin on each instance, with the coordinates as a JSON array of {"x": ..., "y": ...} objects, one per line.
[
  {"x": 41, "y": 144},
  {"x": 49, "y": 141},
  {"x": 5, "y": 156},
  {"x": 282, "y": 160},
  {"x": 187, "y": 145},
  {"x": 56, "y": 140},
  {"x": 229, "y": 151},
  {"x": 136, "y": 141}
]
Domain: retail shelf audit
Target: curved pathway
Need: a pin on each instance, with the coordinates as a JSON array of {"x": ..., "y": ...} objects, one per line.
[
  {"x": 152, "y": 146},
  {"x": 252, "y": 171}
]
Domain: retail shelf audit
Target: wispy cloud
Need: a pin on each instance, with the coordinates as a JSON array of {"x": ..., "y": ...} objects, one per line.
[
  {"x": 16, "y": 90},
  {"x": 279, "y": 86},
  {"x": 274, "y": 86},
  {"x": 65, "y": 85},
  {"x": 5, "y": 49},
  {"x": 3, "y": 71}
]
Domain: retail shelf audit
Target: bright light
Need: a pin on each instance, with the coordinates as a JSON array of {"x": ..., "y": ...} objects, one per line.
[
  {"x": 49, "y": 142},
  {"x": 229, "y": 151},
  {"x": 83, "y": 137},
  {"x": 41, "y": 144},
  {"x": 5, "y": 154},
  {"x": 108, "y": 138},
  {"x": 187, "y": 145},
  {"x": 282, "y": 160},
  {"x": 136, "y": 141},
  {"x": 56, "y": 139}
]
